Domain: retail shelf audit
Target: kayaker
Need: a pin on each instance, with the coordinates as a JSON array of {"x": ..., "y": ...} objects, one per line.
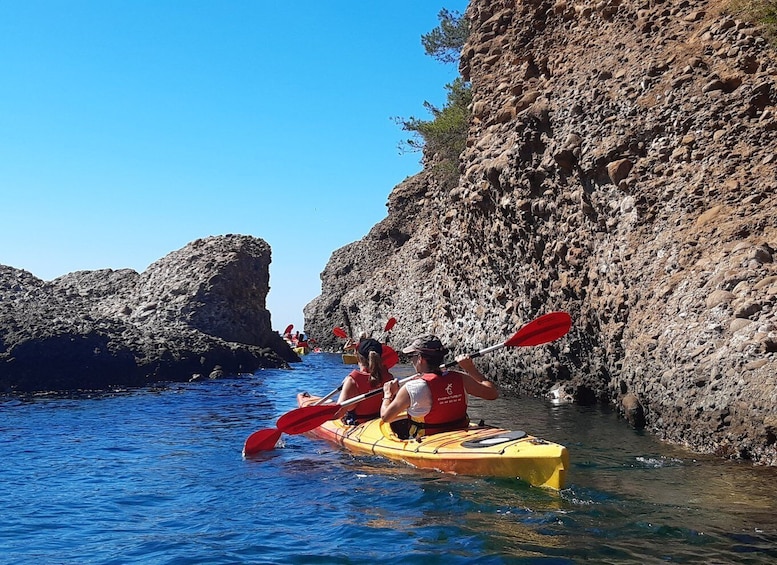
[
  {"x": 370, "y": 375},
  {"x": 437, "y": 401}
]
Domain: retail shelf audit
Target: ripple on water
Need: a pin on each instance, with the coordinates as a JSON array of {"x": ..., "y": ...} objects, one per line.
[{"x": 158, "y": 477}]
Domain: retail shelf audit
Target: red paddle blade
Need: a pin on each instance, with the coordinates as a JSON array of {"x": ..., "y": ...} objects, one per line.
[
  {"x": 389, "y": 357},
  {"x": 288, "y": 329},
  {"x": 263, "y": 440},
  {"x": 306, "y": 418},
  {"x": 340, "y": 332},
  {"x": 544, "y": 329},
  {"x": 390, "y": 324}
]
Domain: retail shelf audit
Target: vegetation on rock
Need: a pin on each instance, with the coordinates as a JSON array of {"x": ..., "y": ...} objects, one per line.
[
  {"x": 619, "y": 165},
  {"x": 763, "y": 12},
  {"x": 444, "y": 137}
]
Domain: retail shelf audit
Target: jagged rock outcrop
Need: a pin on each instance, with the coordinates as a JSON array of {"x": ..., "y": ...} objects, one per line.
[
  {"x": 198, "y": 311},
  {"x": 621, "y": 166}
]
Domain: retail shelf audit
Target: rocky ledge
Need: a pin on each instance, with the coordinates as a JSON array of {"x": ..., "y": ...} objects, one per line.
[
  {"x": 198, "y": 312},
  {"x": 620, "y": 165}
]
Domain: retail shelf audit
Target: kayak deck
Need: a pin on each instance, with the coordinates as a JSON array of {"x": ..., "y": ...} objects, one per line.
[{"x": 479, "y": 450}]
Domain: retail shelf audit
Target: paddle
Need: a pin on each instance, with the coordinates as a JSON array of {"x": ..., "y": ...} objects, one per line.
[
  {"x": 288, "y": 329},
  {"x": 340, "y": 332},
  {"x": 544, "y": 329},
  {"x": 328, "y": 396},
  {"x": 387, "y": 330},
  {"x": 390, "y": 324},
  {"x": 263, "y": 440}
]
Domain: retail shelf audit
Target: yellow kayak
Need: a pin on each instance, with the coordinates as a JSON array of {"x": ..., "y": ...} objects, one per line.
[
  {"x": 479, "y": 450},
  {"x": 302, "y": 350},
  {"x": 350, "y": 359}
]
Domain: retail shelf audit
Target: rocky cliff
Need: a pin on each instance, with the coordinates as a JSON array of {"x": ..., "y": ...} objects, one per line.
[
  {"x": 621, "y": 166},
  {"x": 198, "y": 311}
]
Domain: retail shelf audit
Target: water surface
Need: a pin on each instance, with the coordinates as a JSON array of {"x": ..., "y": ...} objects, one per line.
[{"x": 157, "y": 476}]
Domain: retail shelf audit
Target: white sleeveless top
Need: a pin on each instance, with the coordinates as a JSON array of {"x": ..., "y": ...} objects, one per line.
[{"x": 420, "y": 398}]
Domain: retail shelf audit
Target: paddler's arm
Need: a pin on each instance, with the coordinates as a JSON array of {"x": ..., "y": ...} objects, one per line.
[
  {"x": 475, "y": 383},
  {"x": 395, "y": 401},
  {"x": 349, "y": 390}
]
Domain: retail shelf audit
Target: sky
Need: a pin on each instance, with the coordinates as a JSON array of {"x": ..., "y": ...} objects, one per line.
[{"x": 131, "y": 128}]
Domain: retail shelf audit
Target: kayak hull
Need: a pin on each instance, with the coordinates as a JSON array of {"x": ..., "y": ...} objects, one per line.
[
  {"x": 479, "y": 450},
  {"x": 301, "y": 350},
  {"x": 350, "y": 359}
]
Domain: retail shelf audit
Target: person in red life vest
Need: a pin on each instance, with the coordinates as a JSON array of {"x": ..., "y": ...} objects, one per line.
[
  {"x": 437, "y": 401},
  {"x": 370, "y": 375}
]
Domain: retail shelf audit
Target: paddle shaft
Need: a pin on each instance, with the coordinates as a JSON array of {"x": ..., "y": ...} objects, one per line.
[
  {"x": 487, "y": 350},
  {"x": 328, "y": 396}
]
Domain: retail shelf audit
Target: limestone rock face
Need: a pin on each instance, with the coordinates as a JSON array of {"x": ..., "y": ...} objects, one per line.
[
  {"x": 198, "y": 311},
  {"x": 620, "y": 165}
]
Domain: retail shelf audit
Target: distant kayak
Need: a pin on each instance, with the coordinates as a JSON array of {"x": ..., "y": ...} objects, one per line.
[
  {"x": 479, "y": 450},
  {"x": 302, "y": 350},
  {"x": 350, "y": 359}
]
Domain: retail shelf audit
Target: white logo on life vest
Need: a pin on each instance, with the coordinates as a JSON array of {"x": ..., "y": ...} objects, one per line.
[{"x": 450, "y": 397}]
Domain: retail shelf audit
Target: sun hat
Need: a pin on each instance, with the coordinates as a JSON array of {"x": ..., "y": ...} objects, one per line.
[{"x": 428, "y": 344}]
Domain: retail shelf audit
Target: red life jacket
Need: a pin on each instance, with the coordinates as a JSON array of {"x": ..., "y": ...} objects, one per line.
[
  {"x": 369, "y": 408},
  {"x": 449, "y": 405}
]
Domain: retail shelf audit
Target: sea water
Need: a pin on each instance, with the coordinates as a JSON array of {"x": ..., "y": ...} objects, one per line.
[{"x": 157, "y": 476}]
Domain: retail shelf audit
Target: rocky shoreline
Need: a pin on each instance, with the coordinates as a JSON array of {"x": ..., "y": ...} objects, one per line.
[
  {"x": 620, "y": 165},
  {"x": 199, "y": 312}
]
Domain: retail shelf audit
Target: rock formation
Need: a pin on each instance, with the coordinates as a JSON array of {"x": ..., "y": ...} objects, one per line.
[
  {"x": 621, "y": 166},
  {"x": 198, "y": 311}
]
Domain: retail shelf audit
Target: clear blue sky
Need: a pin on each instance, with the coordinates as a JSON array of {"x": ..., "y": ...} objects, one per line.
[{"x": 130, "y": 128}]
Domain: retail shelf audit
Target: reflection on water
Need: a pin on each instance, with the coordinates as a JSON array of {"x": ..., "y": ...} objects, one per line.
[
  {"x": 641, "y": 497},
  {"x": 629, "y": 495}
]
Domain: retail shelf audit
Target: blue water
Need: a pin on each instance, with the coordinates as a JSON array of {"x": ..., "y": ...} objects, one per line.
[{"x": 156, "y": 476}]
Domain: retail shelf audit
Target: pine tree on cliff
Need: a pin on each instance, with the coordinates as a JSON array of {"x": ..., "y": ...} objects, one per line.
[{"x": 443, "y": 138}]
